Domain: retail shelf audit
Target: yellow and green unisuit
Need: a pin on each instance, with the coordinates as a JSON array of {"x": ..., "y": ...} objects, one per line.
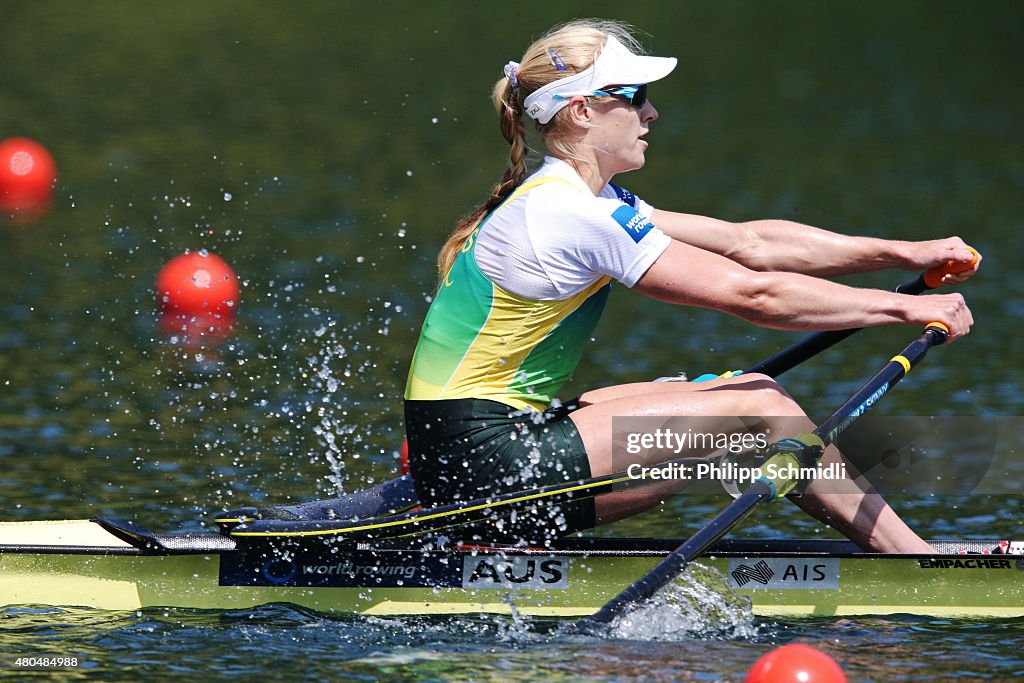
[{"x": 489, "y": 360}]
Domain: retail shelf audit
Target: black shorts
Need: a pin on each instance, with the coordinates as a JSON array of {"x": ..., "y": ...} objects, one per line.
[{"x": 464, "y": 449}]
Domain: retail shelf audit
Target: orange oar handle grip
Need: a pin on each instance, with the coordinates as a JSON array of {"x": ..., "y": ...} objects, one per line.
[
  {"x": 933, "y": 277},
  {"x": 940, "y": 331}
]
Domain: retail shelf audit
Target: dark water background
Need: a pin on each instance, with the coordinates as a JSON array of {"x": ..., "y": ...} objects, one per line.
[{"x": 324, "y": 150}]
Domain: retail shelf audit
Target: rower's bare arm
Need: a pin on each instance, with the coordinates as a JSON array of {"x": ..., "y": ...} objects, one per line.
[
  {"x": 777, "y": 245},
  {"x": 687, "y": 275}
]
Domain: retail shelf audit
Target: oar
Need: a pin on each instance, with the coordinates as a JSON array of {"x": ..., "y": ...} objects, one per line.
[
  {"x": 814, "y": 344},
  {"x": 787, "y": 455}
]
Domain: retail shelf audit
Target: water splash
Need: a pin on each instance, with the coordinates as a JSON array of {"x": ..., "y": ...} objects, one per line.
[
  {"x": 332, "y": 421},
  {"x": 344, "y": 398},
  {"x": 698, "y": 604}
]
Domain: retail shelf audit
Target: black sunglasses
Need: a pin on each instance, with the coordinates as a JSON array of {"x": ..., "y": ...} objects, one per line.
[{"x": 635, "y": 95}]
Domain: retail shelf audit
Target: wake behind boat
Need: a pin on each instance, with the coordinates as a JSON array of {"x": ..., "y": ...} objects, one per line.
[{"x": 117, "y": 566}]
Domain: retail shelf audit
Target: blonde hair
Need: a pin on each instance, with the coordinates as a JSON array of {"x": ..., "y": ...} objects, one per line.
[{"x": 576, "y": 44}]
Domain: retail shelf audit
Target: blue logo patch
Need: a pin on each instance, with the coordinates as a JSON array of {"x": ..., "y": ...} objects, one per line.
[
  {"x": 635, "y": 225},
  {"x": 624, "y": 195}
]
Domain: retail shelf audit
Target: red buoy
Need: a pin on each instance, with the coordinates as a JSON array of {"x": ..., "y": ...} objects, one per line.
[
  {"x": 197, "y": 294},
  {"x": 27, "y": 176},
  {"x": 795, "y": 663}
]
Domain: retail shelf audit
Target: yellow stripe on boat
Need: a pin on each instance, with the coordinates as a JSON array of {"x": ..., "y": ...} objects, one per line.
[{"x": 73, "y": 532}]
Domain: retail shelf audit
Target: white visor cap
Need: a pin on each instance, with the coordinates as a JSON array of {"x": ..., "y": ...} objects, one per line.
[{"x": 616, "y": 65}]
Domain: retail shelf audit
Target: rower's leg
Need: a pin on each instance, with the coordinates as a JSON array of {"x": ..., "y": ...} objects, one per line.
[
  {"x": 711, "y": 403},
  {"x": 851, "y": 506},
  {"x": 708, "y": 405}
]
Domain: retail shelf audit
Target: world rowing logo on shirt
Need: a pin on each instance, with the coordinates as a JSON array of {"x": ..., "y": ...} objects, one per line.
[{"x": 635, "y": 225}]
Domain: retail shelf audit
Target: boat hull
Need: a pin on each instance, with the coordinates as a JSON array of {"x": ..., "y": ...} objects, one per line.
[{"x": 82, "y": 564}]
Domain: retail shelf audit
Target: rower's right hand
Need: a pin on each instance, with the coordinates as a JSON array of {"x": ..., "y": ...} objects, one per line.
[{"x": 949, "y": 309}]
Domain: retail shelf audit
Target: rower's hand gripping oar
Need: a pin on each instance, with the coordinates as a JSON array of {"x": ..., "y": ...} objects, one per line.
[
  {"x": 801, "y": 452},
  {"x": 814, "y": 344}
]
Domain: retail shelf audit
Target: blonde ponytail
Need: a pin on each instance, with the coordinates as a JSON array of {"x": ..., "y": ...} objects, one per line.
[{"x": 509, "y": 107}]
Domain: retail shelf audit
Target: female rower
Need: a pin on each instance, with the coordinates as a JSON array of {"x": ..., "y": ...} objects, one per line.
[{"x": 525, "y": 276}]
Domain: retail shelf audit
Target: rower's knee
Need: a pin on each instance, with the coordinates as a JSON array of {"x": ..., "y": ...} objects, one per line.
[{"x": 769, "y": 396}]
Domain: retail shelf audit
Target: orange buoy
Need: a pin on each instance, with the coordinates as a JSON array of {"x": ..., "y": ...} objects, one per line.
[
  {"x": 795, "y": 663},
  {"x": 27, "y": 177},
  {"x": 197, "y": 294}
]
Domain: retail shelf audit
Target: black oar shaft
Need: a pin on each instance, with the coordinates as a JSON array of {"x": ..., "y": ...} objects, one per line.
[
  {"x": 761, "y": 490},
  {"x": 874, "y": 389},
  {"x": 806, "y": 348},
  {"x": 676, "y": 562}
]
